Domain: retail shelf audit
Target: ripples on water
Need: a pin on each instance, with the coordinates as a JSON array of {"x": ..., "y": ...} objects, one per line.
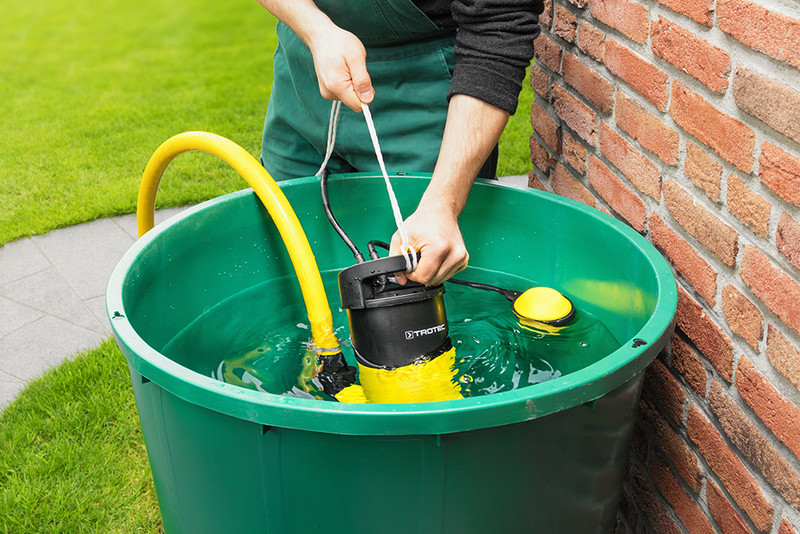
[{"x": 258, "y": 337}]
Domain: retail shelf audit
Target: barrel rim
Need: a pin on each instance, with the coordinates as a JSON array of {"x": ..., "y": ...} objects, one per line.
[{"x": 572, "y": 389}]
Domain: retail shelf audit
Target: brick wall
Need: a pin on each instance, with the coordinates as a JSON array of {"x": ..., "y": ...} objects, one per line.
[{"x": 682, "y": 118}]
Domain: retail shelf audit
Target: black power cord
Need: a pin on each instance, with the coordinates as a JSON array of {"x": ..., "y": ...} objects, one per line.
[{"x": 327, "y": 205}]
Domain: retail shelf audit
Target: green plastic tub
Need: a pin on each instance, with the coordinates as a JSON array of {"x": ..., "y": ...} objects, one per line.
[{"x": 544, "y": 458}]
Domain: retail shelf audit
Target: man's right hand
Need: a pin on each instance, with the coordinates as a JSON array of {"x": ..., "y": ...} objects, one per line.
[{"x": 340, "y": 61}]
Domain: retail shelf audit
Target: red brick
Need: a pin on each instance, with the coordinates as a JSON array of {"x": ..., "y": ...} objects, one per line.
[
  {"x": 747, "y": 437},
  {"x": 546, "y": 18},
  {"x": 628, "y": 17},
  {"x": 709, "y": 338},
  {"x": 700, "y": 11},
  {"x": 727, "y": 136},
  {"x": 727, "y": 466},
  {"x": 620, "y": 198},
  {"x": 785, "y": 528},
  {"x": 546, "y": 127},
  {"x": 665, "y": 390},
  {"x": 540, "y": 157},
  {"x": 650, "y": 505},
  {"x": 635, "y": 166},
  {"x": 535, "y": 183},
  {"x": 591, "y": 41},
  {"x": 650, "y": 131},
  {"x": 773, "y": 287},
  {"x": 724, "y": 514},
  {"x": 574, "y": 153},
  {"x": 577, "y": 116},
  {"x": 719, "y": 238},
  {"x": 540, "y": 81},
  {"x": 769, "y": 100},
  {"x": 589, "y": 83},
  {"x": 767, "y": 31},
  {"x": 783, "y": 356},
  {"x": 787, "y": 238},
  {"x": 686, "y": 362},
  {"x": 684, "y": 506},
  {"x": 776, "y": 411},
  {"x": 748, "y": 206},
  {"x": 742, "y": 316},
  {"x": 703, "y": 170},
  {"x": 672, "y": 444},
  {"x": 644, "y": 77},
  {"x": 780, "y": 171},
  {"x": 565, "y": 25},
  {"x": 687, "y": 262},
  {"x": 694, "y": 56},
  {"x": 547, "y": 52},
  {"x": 639, "y": 439},
  {"x": 566, "y": 185}
]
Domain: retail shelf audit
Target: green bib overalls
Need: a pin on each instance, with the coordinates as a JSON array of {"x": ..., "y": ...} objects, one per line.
[{"x": 410, "y": 61}]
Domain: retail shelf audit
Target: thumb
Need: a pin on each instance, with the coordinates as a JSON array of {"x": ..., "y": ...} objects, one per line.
[{"x": 362, "y": 83}]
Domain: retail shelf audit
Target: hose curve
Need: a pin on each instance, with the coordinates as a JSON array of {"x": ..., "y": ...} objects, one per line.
[{"x": 278, "y": 207}]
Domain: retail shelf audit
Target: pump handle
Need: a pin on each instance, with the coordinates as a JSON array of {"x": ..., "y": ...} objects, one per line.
[{"x": 356, "y": 282}]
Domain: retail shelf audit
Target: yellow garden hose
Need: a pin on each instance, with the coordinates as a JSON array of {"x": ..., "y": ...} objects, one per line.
[{"x": 278, "y": 207}]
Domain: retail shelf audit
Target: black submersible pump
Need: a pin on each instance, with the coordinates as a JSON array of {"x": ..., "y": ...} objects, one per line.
[{"x": 391, "y": 325}]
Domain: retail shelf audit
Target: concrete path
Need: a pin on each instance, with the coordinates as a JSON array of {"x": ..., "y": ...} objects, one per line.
[{"x": 52, "y": 294}]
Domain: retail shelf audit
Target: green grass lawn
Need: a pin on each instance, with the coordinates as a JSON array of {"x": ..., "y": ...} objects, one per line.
[
  {"x": 72, "y": 459},
  {"x": 88, "y": 90}
]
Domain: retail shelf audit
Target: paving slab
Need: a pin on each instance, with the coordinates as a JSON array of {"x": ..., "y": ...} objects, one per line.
[
  {"x": 85, "y": 255},
  {"x": 19, "y": 259},
  {"x": 30, "y": 351},
  {"x": 10, "y": 386},
  {"x": 14, "y": 315},
  {"x": 128, "y": 222},
  {"x": 47, "y": 292}
]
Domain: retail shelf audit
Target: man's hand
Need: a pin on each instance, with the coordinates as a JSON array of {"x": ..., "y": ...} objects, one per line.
[
  {"x": 433, "y": 231},
  {"x": 340, "y": 61},
  {"x": 472, "y": 130}
]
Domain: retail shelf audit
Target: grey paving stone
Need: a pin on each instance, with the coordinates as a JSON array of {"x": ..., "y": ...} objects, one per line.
[
  {"x": 128, "y": 222},
  {"x": 14, "y": 315},
  {"x": 520, "y": 180},
  {"x": 47, "y": 292},
  {"x": 19, "y": 259},
  {"x": 10, "y": 387},
  {"x": 85, "y": 255},
  {"x": 29, "y": 351},
  {"x": 97, "y": 306}
]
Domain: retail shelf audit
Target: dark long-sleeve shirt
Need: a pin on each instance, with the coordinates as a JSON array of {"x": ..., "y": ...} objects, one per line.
[{"x": 494, "y": 45}]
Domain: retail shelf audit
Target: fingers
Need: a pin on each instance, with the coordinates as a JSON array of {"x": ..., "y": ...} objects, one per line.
[
  {"x": 341, "y": 66},
  {"x": 436, "y": 266},
  {"x": 439, "y": 260}
]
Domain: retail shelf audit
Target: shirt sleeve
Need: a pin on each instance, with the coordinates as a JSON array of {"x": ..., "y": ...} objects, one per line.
[{"x": 494, "y": 47}]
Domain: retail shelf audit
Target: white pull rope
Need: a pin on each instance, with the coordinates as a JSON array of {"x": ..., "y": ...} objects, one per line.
[
  {"x": 408, "y": 251},
  {"x": 333, "y": 124}
]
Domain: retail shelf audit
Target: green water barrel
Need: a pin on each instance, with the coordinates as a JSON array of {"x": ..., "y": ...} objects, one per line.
[{"x": 547, "y": 458}]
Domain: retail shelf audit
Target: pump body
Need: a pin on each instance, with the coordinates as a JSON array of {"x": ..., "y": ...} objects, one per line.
[{"x": 392, "y": 325}]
